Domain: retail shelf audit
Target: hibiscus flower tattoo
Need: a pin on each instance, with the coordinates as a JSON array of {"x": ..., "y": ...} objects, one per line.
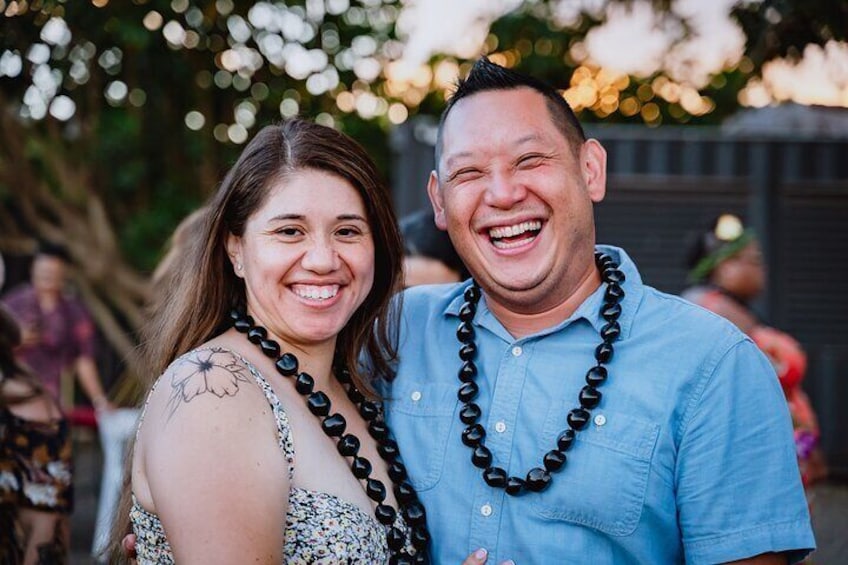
[{"x": 215, "y": 371}]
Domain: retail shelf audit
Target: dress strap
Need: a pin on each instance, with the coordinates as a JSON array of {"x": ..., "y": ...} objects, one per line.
[{"x": 284, "y": 436}]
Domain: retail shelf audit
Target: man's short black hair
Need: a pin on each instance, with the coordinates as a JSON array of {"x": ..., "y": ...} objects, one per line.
[
  {"x": 55, "y": 250},
  {"x": 487, "y": 76}
]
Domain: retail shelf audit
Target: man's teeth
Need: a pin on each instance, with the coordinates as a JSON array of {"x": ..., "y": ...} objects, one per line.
[
  {"x": 514, "y": 230},
  {"x": 316, "y": 292},
  {"x": 502, "y": 244}
]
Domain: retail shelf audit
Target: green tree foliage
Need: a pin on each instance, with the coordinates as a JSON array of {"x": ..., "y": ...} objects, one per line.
[
  {"x": 533, "y": 39},
  {"x": 119, "y": 117},
  {"x": 783, "y": 28},
  {"x": 135, "y": 70}
]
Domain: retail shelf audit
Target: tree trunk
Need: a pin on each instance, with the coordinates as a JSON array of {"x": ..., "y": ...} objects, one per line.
[{"x": 45, "y": 194}]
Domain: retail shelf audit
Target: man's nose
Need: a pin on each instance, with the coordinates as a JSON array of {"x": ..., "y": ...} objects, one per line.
[{"x": 504, "y": 191}]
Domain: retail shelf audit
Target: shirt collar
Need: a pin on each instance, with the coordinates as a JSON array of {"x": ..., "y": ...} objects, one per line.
[{"x": 589, "y": 310}]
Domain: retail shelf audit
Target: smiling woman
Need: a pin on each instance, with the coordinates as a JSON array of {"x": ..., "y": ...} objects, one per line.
[
  {"x": 306, "y": 257},
  {"x": 275, "y": 300}
]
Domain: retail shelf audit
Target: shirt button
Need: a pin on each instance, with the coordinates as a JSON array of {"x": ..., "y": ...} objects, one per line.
[
  {"x": 416, "y": 396},
  {"x": 486, "y": 510},
  {"x": 517, "y": 351},
  {"x": 600, "y": 420},
  {"x": 500, "y": 427}
]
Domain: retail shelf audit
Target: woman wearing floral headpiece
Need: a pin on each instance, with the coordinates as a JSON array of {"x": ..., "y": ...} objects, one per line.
[{"x": 727, "y": 268}]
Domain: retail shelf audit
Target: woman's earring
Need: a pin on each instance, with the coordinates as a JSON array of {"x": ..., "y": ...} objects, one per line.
[{"x": 238, "y": 267}]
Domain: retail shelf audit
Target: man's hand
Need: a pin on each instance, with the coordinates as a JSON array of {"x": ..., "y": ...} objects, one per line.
[
  {"x": 128, "y": 545},
  {"x": 479, "y": 558},
  {"x": 30, "y": 335},
  {"x": 102, "y": 404}
]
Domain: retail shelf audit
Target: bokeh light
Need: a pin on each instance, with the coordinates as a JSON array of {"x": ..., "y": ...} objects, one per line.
[
  {"x": 194, "y": 120},
  {"x": 11, "y": 64},
  {"x": 62, "y": 108},
  {"x": 153, "y": 20},
  {"x": 116, "y": 92}
]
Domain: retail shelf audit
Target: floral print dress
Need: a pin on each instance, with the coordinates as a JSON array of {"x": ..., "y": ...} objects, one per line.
[
  {"x": 36, "y": 467},
  {"x": 320, "y": 528}
]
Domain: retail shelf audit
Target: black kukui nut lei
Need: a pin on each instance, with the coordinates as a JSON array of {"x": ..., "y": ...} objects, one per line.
[
  {"x": 474, "y": 434},
  {"x": 347, "y": 444}
]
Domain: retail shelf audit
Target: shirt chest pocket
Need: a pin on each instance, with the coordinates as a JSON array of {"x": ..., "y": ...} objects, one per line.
[
  {"x": 420, "y": 416},
  {"x": 605, "y": 478}
]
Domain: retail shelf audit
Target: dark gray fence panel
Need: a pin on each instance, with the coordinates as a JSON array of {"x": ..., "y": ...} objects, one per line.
[{"x": 655, "y": 220}]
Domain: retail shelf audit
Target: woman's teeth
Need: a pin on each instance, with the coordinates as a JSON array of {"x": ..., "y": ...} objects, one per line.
[{"x": 311, "y": 292}]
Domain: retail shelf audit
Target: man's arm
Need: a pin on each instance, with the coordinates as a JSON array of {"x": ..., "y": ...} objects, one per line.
[
  {"x": 89, "y": 379},
  {"x": 738, "y": 487}
]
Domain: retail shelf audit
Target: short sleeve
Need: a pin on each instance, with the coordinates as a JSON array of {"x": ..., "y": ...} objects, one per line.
[
  {"x": 739, "y": 490},
  {"x": 83, "y": 330},
  {"x": 16, "y": 304}
]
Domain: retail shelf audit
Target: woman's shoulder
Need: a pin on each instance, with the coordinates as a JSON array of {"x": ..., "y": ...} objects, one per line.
[
  {"x": 206, "y": 406},
  {"x": 207, "y": 422},
  {"x": 207, "y": 381}
]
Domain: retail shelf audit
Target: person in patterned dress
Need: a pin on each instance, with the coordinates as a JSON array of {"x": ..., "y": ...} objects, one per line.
[
  {"x": 727, "y": 269},
  {"x": 35, "y": 462}
]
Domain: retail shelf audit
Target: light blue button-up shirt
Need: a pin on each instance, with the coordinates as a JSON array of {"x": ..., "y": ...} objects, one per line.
[{"x": 688, "y": 457}]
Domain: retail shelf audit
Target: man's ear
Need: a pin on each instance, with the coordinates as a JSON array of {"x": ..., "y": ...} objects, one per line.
[
  {"x": 593, "y": 166},
  {"x": 234, "y": 253},
  {"x": 434, "y": 191}
]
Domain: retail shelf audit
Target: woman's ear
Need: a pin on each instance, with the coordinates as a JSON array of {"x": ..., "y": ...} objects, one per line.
[{"x": 234, "y": 253}]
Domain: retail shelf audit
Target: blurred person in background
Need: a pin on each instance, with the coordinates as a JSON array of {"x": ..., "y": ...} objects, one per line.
[
  {"x": 429, "y": 256},
  {"x": 728, "y": 271},
  {"x": 57, "y": 331},
  {"x": 35, "y": 461},
  {"x": 187, "y": 233},
  {"x": 56, "y": 335}
]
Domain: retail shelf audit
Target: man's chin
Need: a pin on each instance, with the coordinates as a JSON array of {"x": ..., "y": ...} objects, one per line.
[{"x": 515, "y": 289}]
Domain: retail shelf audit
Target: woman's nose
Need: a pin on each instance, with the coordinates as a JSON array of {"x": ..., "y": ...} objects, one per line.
[{"x": 321, "y": 257}]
